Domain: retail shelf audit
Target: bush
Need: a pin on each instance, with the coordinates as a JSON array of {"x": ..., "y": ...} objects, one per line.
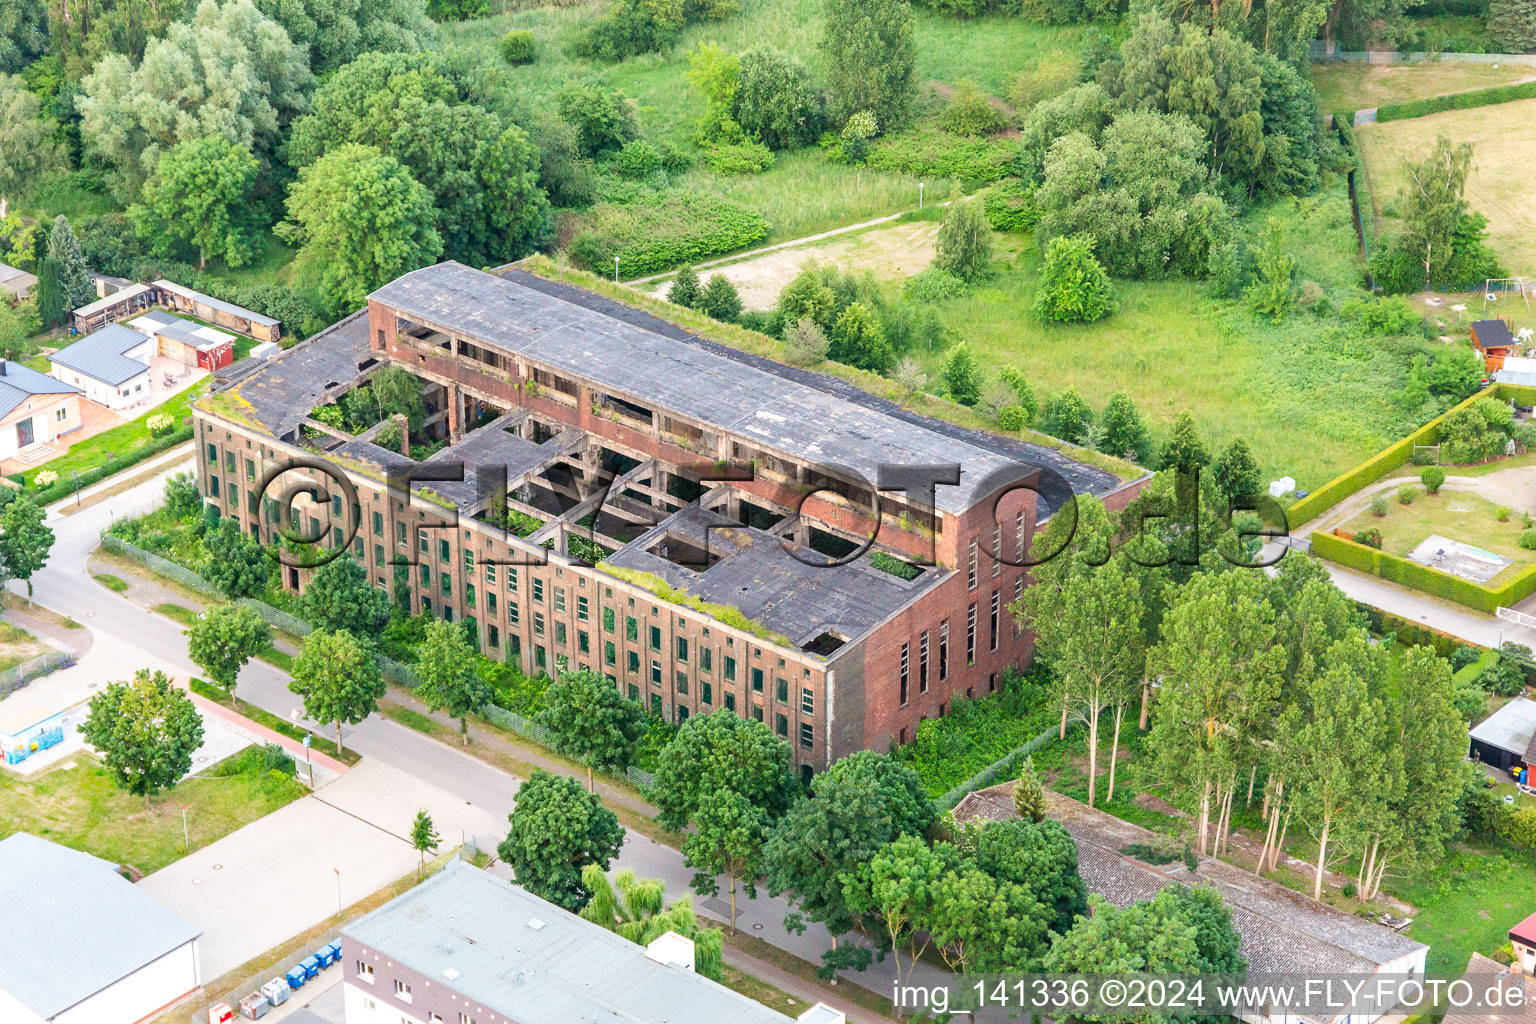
[
  {"x": 636, "y": 160},
  {"x": 1010, "y": 205},
  {"x": 927, "y": 152},
  {"x": 630, "y": 28},
  {"x": 1481, "y": 597},
  {"x": 160, "y": 424},
  {"x": 1501, "y": 513},
  {"x": 1012, "y": 418},
  {"x": 1370, "y": 537},
  {"x": 1379, "y": 505},
  {"x": 933, "y": 285},
  {"x": 947, "y": 751},
  {"x": 739, "y": 158},
  {"x": 1073, "y": 285},
  {"x": 1456, "y": 101},
  {"x": 517, "y": 47},
  {"x": 807, "y": 343},
  {"x": 777, "y": 99},
  {"x": 603, "y": 118},
  {"x": 663, "y": 230},
  {"x": 969, "y": 113},
  {"x": 719, "y": 299},
  {"x": 1528, "y": 538},
  {"x": 1432, "y": 477},
  {"x": 1406, "y": 494}
]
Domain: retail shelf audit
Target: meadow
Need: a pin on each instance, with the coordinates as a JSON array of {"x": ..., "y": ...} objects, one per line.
[
  {"x": 1500, "y": 187},
  {"x": 1358, "y": 86}
]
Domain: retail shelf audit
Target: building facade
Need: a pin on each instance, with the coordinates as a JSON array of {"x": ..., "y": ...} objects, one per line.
[{"x": 704, "y": 528}]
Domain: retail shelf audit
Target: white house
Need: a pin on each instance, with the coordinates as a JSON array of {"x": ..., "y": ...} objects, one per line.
[
  {"x": 111, "y": 366},
  {"x": 34, "y": 410},
  {"x": 83, "y": 945}
]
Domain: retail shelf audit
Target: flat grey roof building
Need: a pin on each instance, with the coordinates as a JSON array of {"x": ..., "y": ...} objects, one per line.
[
  {"x": 509, "y": 953},
  {"x": 101, "y": 355},
  {"x": 74, "y": 926}
]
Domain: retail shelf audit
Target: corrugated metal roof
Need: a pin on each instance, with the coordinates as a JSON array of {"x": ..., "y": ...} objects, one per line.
[
  {"x": 112, "y": 300},
  {"x": 100, "y": 355},
  {"x": 22, "y": 382},
  {"x": 466, "y": 921},
  {"x": 1511, "y": 728},
  {"x": 219, "y": 304},
  {"x": 73, "y": 925}
]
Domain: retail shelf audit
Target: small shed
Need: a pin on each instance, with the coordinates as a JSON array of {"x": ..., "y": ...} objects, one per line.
[
  {"x": 17, "y": 284},
  {"x": 217, "y": 311},
  {"x": 1507, "y": 737},
  {"x": 112, "y": 308},
  {"x": 1522, "y": 937},
  {"x": 1492, "y": 339}
]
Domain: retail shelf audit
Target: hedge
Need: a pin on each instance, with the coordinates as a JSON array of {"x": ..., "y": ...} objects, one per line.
[
  {"x": 1469, "y": 673},
  {"x": 1423, "y": 578},
  {"x": 1456, "y": 101},
  {"x": 1344, "y": 124},
  {"x": 664, "y": 230},
  {"x": 1410, "y": 633},
  {"x": 1386, "y": 460}
]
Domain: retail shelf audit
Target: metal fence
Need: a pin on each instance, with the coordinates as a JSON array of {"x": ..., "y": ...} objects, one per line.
[
  {"x": 17, "y": 676},
  {"x": 392, "y": 670},
  {"x": 1318, "y": 50},
  {"x": 997, "y": 769}
]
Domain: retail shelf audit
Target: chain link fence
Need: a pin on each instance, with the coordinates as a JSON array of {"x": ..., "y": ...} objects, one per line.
[
  {"x": 999, "y": 769},
  {"x": 392, "y": 670},
  {"x": 17, "y": 676}
]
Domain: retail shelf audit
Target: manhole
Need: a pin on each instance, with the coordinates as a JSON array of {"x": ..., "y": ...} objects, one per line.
[
  {"x": 218, "y": 867},
  {"x": 202, "y": 759},
  {"x": 757, "y": 927}
]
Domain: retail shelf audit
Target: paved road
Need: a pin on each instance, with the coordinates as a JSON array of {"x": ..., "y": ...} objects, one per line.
[{"x": 127, "y": 637}]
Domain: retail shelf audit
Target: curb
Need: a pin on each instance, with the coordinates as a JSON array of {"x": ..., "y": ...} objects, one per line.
[{"x": 288, "y": 743}]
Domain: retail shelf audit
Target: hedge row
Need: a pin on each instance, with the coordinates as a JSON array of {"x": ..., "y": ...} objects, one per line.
[
  {"x": 663, "y": 231},
  {"x": 1344, "y": 124},
  {"x": 1424, "y": 579},
  {"x": 1469, "y": 673},
  {"x": 1408, "y": 632},
  {"x": 1382, "y": 463},
  {"x": 1456, "y": 101}
]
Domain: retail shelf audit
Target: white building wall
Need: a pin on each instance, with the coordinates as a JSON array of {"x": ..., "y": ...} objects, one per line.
[
  {"x": 365, "y": 1006},
  {"x": 46, "y": 424},
  {"x": 137, "y": 389},
  {"x": 141, "y": 995}
]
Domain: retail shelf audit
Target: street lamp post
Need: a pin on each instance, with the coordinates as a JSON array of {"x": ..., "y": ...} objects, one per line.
[
  {"x": 615, "y": 270},
  {"x": 186, "y": 834},
  {"x": 920, "y": 196}
]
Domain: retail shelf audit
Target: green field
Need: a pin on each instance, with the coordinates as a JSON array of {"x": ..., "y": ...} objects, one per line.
[
  {"x": 1310, "y": 400},
  {"x": 1358, "y": 86},
  {"x": 1467, "y": 903},
  {"x": 1501, "y": 186},
  {"x": 80, "y": 807}
]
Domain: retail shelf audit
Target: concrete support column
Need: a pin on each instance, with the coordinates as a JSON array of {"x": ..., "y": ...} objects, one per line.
[{"x": 455, "y": 414}]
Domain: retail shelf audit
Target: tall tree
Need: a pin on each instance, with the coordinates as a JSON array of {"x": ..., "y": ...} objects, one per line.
[
  {"x": 1183, "y": 450},
  {"x": 1121, "y": 431},
  {"x": 1237, "y": 473},
  {"x": 25, "y": 540},
  {"x": 227, "y": 70},
  {"x": 1431, "y": 204},
  {"x": 238, "y": 564},
  {"x": 899, "y": 886},
  {"x": 424, "y": 838},
  {"x": 1041, "y": 857},
  {"x": 589, "y": 720},
  {"x": 856, "y": 807},
  {"x": 360, "y": 220},
  {"x": 450, "y": 675},
  {"x": 199, "y": 195},
  {"x": 338, "y": 677},
  {"x": 727, "y": 839},
  {"x": 146, "y": 731},
  {"x": 64, "y": 281},
  {"x": 339, "y": 596},
  {"x": 964, "y": 243},
  {"x": 27, "y": 148},
  {"x": 1221, "y": 674},
  {"x": 870, "y": 56},
  {"x": 556, "y": 830},
  {"x": 981, "y": 924},
  {"x": 339, "y": 31},
  {"x": 223, "y": 639},
  {"x": 717, "y": 752}
]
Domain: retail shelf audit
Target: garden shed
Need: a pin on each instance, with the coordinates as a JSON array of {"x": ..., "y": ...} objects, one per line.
[{"x": 1508, "y": 736}]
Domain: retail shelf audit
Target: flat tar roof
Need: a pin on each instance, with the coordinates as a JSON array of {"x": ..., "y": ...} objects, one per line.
[
  {"x": 511, "y": 952},
  {"x": 807, "y": 416}
]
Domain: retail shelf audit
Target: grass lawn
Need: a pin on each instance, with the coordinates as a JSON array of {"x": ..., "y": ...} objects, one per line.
[
  {"x": 1358, "y": 86},
  {"x": 1405, "y": 526},
  {"x": 1468, "y": 902},
  {"x": 80, "y": 807},
  {"x": 1501, "y": 186},
  {"x": 121, "y": 439},
  {"x": 17, "y": 646},
  {"x": 1310, "y": 399}
]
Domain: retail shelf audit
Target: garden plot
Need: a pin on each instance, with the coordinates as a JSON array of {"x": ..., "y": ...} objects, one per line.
[{"x": 1456, "y": 531}]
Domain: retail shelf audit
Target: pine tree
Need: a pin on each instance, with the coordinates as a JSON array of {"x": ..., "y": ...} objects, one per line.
[
  {"x": 719, "y": 300},
  {"x": 1029, "y": 794},
  {"x": 961, "y": 377},
  {"x": 64, "y": 282},
  {"x": 685, "y": 289},
  {"x": 1237, "y": 473},
  {"x": 1184, "y": 449}
]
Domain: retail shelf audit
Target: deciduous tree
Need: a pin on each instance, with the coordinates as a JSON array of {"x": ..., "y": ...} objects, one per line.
[
  {"x": 1122, "y": 432},
  {"x": 727, "y": 839},
  {"x": 424, "y": 838},
  {"x": 339, "y": 31},
  {"x": 238, "y": 565},
  {"x": 200, "y": 195},
  {"x": 1073, "y": 285},
  {"x": 340, "y": 597},
  {"x": 717, "y": 752},
  {"x": 899, "y": 886},
  {"x": 146, "y": 731},
  {"x": 450, "y": 676},
  {"x": 27, "y": 148},
  {"x": 223, "y": 639},
  {"x": 338, "y": 677},
  {"x": 964, "y": 243},
  {"x": 25, "y": 540},
  {"x": 870, "y": 56},
  {"x": 589, "y": 720},
  {"x": 556, "y": 830}
]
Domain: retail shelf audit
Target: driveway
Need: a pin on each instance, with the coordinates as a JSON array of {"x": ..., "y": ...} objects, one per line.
[{"x": 278, "y": 876}]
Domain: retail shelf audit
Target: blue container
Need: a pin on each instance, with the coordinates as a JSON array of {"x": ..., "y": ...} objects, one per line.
[
  {"x": 335, "y": 948},
  {"x": 297, "y": 977},
  {"x": 311, "y": 966},
  {"x": 326, "y": 956}
]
